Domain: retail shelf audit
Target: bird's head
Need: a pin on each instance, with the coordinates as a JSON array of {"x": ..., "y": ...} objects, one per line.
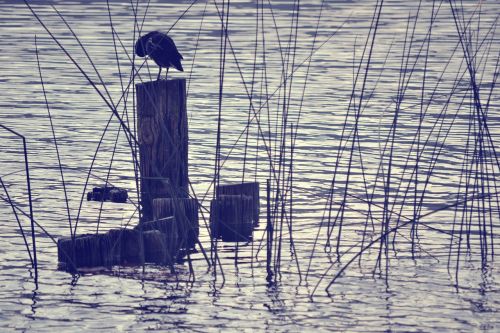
[{"x": 140, "y": 45}]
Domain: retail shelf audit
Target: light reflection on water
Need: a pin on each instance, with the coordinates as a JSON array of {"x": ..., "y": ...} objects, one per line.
[{"x": 417, "y": 296}]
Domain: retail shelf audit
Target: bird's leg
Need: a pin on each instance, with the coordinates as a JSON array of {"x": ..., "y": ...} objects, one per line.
[
  {"x": 159, "y": 73},
  {"x": 166, "y": 76}
]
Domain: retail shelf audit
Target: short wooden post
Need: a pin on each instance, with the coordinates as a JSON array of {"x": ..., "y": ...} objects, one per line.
[
  {"x": 163, "y": 141},
  {"x": 132, "y": 247},
  {"x": 250, "y": 189},
  {"x": 167, "y": 226},
  {"x": 155, "y": 247},
  {"x": 116, "y": 247},
  {"x": 86, "y": 248},
  {"x": 231, "y": 217},
  {"x": 185, "y": 212}
]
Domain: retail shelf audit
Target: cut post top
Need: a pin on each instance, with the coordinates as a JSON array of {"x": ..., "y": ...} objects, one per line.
[{"x": 161, "y": 82}]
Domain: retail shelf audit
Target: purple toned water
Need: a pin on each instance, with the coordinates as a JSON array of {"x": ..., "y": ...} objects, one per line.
[{"x": 418, "y": 295}]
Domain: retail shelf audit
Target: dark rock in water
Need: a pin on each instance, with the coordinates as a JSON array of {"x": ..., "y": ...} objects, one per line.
[
  {"x": 185, "y": 212},
  {"x": 250, "y": 189},
  {"x": 231, "y": 218},
  {"x": 106, "y": 193}
]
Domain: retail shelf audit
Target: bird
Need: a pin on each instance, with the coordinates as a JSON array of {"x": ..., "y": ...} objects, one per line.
[{"x": 161, "y": 48}]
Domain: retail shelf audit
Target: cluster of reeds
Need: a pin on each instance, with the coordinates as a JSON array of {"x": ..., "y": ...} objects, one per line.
[
  {"x": 394, "y": 200},
  {"x": 16, "y": 207},
  {"x": 393, "y": 196}
]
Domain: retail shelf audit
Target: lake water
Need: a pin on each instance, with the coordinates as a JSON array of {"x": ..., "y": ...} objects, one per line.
[{"x": 416, "y": 294}]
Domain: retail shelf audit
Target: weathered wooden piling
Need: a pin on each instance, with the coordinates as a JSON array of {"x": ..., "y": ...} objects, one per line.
[
  {"x": 155, "y": 247},
  {"x": 163, "y": 141},
  {"x": 116, "y": 247},
  {"x": 185, "y": 212},
  {"x": 250, "y": 189},
  {"x": 83, "y": 251},
  {"x": 163, "y": 155},
  {"x": 168, "y": 228},
  {"x": 132, "y": 247},
  {"x": 231, "y": 217}
]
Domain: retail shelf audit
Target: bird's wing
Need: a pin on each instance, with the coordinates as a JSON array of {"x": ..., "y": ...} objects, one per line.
[
  {"x": 167, "y": 44},
  {"x": 153, "y": 45}
]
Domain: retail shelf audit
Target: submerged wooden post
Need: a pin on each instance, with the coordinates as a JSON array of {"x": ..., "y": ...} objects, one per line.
[
  {"x": 163, "y": 141},
  {"x": 250, "y": 189},
  {"x": 185, "y": 213},
  {"x": 167, "y": 226},
  {"x": 156, "y": 248},
  {"x": 231, "y": 218},
  {"x": 86, "y": 248}
]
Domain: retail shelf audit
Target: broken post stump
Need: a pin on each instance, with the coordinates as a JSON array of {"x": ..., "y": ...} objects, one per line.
[
  {"x": 250, "y": 189},
  {"x": 155, "y": 247},
  {"x": 231, "y": 218},
  {"x": 83, "y": 251},
  {"x": 168, "y": 228},
  {"x": 185, "y": 212},
  {"x": 132, "y": 247},
  {"x": 116, "y": 247},
  {"x": 163, "y": 141}
]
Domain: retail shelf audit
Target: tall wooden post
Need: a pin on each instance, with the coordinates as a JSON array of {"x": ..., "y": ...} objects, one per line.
[{"x": 163, "y": 141}]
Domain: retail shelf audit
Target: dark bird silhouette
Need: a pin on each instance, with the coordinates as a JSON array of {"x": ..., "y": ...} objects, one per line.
[{"x": 161, "y": 48}]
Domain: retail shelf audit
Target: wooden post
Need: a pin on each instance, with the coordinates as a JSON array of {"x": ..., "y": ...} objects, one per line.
[
  {"x": 163, "y": 156},
  {"x": 116, "y": 247},
  {"x": 231, "y": 218},
  {"x": 163, "y": 141},
  {"x": 247, "y": 189},
  {"x": 185, "y": 213},
  {"x": 86, "y": 248},
  {"x": 155, "y": 247},
  {"x": 168, "y": 228}
]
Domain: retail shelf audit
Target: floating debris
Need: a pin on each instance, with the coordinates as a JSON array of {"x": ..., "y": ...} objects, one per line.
[{"x": 106, "y": 193}]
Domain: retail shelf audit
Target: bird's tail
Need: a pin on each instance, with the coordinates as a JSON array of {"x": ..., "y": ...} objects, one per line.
[{"x": 177, "y": 64}]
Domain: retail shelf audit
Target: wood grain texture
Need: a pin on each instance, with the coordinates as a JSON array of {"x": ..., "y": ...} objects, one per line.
[
  {"x": 185, "y": 213},
  {"x": 163, "y": 141},
  {"x": 231, "y": 217},
  {"x": 250, "y": 189}
]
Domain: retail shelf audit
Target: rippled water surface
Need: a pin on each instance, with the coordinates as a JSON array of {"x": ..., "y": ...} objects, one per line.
[{"x": 417, "y": 295}]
